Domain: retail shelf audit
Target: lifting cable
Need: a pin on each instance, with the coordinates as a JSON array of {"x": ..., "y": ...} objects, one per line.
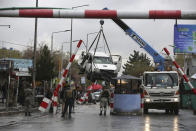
[
  {"x": 98, "y": 39},
  {"x": 98, "y": 36}
]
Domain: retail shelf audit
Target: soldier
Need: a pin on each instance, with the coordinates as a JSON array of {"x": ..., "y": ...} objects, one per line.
[
  {"x": 104, "y": 99},
  {"x": 28, "y": 98},
  {"x": 68, "y": 100},
  {"x": 73, "y": 94}
]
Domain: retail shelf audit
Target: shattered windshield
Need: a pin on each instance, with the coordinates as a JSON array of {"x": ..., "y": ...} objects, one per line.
[
  {"x": 102, "y": 60},
  {"x": 161, "y": 79}
]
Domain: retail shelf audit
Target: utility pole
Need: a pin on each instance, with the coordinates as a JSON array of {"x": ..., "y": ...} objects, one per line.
[
  {"x": 34, "y": 55},
  {"x": 71, "y": 38}
]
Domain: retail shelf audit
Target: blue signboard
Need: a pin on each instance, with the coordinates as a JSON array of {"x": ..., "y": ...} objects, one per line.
[{"x": 185, "y": 39}]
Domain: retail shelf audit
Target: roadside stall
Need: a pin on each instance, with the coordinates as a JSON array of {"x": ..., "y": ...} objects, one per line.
[
  {"x": 7, "y": 83},
  {"x": 127, "y": 99},
  {"x": 21, "y": 70}
]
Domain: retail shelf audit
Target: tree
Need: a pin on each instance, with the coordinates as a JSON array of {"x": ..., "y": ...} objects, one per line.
[
  {"x": 28, "y": 53},
  {"x": 137, "y": 64},
  {"x": 5, "y": 53},
  {"x": 44, "y": 64}
]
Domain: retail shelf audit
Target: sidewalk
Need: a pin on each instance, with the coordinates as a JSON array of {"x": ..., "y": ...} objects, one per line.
[
  {"x": 13, "y": 110},
  {"x": 10, "y": 110}
]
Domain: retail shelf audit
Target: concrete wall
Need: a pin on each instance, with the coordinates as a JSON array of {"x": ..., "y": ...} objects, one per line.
[{"x": 127, "y": 102}]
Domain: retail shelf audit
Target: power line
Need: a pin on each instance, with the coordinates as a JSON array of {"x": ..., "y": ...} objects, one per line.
[{"x": 15, "y": 44}]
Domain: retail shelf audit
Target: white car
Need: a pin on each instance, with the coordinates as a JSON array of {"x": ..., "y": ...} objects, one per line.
[
  {"x": 100, "y": 65},
  {"x": 97, "y": 95}
]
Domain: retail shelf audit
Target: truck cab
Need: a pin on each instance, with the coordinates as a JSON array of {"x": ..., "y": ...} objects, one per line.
[
  {"x": 161, "y": 91},
  {"x": 99, "y": 65}
]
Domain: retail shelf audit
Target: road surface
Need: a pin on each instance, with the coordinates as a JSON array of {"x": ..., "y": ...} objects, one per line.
[{"x": 86, "y": 118}]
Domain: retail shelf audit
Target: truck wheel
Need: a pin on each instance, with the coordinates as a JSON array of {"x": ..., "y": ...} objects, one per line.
[
  {"x": 145, "y": 111},
  {"x": 176, "y": 111},
  {"x": 167, "y": 111}
]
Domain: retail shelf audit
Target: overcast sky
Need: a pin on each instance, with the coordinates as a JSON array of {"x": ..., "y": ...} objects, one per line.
[{"x": 158, "y": 33}]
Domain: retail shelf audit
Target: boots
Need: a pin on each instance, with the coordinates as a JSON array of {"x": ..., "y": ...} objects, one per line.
[
  {"x": 69, "y": 115},
  {"x": 100, "y": 113},
  {"x": 104, "y": 113},
  {"x": 63, "y": 115},
  {"x": 27, "y": 114}
]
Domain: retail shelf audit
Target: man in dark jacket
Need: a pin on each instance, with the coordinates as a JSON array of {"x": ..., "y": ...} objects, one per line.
[{"x": 68, "y": 100}]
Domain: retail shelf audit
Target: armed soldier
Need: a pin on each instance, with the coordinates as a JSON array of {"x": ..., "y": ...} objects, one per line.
[
  {"x": 28, "y": 98},
  {"x": 68, "y": 100},
  {"x": 104, "y": 99}
]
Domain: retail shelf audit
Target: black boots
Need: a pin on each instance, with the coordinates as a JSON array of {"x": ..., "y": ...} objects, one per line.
[
  {"x": 63, "y": 115},
  {"x": 100, "y": 113},
  {"x": 27, "y": 114},
  {"x": 69, "y": 115}
]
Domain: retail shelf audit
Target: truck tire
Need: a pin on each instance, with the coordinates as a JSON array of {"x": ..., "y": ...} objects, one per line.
[
  {"x": 176, "y": 111},
  {"x": 145, "y": 110}
]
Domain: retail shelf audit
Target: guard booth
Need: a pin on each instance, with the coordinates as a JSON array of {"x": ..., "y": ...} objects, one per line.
[{"x": 127, "y": 99}]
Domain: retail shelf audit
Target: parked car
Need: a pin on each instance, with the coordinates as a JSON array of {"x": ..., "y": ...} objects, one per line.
[{"x": 97, "y": 95}]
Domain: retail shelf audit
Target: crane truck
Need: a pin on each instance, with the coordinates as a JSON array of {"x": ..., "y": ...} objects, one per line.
[{"x": 160, "y": 88}]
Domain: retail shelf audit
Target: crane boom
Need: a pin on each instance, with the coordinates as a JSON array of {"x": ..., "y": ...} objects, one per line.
[{"x": 143, "y": 44}]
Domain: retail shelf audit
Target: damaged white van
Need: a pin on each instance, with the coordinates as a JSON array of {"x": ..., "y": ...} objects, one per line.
[{"x": 99, "y": 65}]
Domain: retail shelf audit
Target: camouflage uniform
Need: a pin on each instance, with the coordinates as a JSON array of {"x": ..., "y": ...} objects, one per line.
[
  {"x": 104, "y": 100},
  {"x": 28, "y": 98},
  {"x": 68, "y": 101}
]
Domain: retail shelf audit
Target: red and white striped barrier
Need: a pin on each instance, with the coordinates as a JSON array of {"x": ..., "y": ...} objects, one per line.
[
  {"x": 45, "y": 104},
  {"x": 63, "y": 77},
  {"x": 55, "y": 94},
  {"x": 112, "y": 103},
  {"x": 83, "y": 98},
  {"x": 180, "y": 70},
  {"x": 55, "y": 101},
  {"x": 107, "y": 14}
]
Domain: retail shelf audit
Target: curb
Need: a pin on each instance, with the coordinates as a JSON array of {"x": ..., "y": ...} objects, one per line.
[
  {"x": 133, "y": 113},
  {"x": 7, "y": 113}
]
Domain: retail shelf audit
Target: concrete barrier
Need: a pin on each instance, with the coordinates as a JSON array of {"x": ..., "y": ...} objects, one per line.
[{"x": 127, "y": 104}]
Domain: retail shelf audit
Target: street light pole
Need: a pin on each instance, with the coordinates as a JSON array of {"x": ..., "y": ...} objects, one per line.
[
  {"x": 34, "y": 54},
  {"x": 87, "y": 39},
  {"x": 51, "y": 43},
  {"x": 71, "y": 39},
  {"x": 52, "y": 36}
]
